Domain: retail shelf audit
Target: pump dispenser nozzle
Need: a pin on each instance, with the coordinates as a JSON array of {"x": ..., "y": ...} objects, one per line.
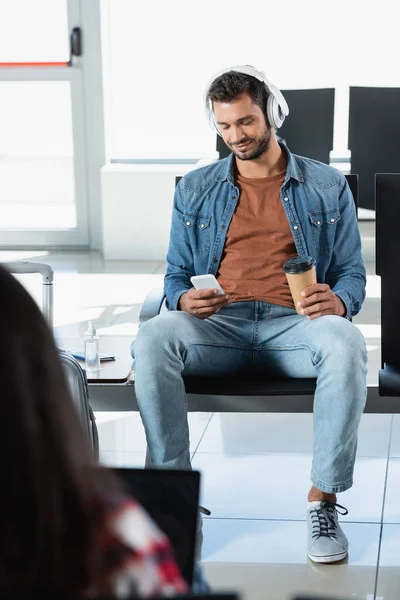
[
  {"x": 91, "y": 330},
  {"x": 92, "y": 356}
]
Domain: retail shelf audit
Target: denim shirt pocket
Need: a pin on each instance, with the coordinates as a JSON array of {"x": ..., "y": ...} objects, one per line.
[
  {"x": 198, "y": 230},
  {"x": 323, "y": 226}
]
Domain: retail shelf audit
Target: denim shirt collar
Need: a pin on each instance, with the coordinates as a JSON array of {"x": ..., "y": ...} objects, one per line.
[{"x": 293, "y": 169}]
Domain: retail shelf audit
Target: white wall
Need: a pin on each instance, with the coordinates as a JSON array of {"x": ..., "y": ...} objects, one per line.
[
  {"x": 137, "y": 209},
  {"x": 155, "y": 107}
]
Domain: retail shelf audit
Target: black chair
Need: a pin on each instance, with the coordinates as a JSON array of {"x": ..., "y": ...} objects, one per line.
[
  {"x": 308, "y": 130},
  {"x": 264, "y": 394},
  {"x": 374, "y": 137},
  {"x": 352, "y": 180},
  {"x": 388, "y": 267},
  {"x": 225, "y": 394}
]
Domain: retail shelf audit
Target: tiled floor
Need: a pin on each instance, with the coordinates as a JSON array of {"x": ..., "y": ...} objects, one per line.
[{"x": 255, "y": 468}]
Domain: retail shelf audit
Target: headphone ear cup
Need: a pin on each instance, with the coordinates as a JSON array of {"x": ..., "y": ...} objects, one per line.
[
  {"x": 211, "y": 118},
  {"x": 214, "y": 124},
  {"x": 275, "y": 116}
]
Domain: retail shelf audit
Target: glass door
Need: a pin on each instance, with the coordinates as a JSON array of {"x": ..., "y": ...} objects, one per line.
[{"x": 43, "y": 200}]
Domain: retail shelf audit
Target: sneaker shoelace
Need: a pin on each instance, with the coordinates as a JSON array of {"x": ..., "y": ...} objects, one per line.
[
  {"x": 324, "y": 519},
  {"x": 204, "y": 510}
]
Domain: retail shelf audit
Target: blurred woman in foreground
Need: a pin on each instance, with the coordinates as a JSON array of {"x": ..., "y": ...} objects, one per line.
[{"x": 67, "y": 527}]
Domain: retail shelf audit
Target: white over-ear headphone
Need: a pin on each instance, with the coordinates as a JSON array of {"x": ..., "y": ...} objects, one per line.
[{"x": 277, "y": 108}]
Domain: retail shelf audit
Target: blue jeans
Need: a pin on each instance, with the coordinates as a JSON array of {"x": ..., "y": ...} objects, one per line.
[{"x": 259, "y": 337}]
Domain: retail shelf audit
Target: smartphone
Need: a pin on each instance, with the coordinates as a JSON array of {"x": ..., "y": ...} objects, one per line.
[{"x": 206, "y": 282}]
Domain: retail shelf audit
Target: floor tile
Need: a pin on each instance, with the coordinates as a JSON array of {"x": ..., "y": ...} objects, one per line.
[
  {"x": 253, "y": 541},
  {"x": 392, "y": 499},
  {"x": 284, "y": 433},
  {"x": 122, "y": 459},
  {"x": 124, "y": 432},
  {"x": 258, "y": 433},
  {"x": 273, "y": 486},
  {"x": 374, "y": 435},
  {"x": 389, "y": 564},
  {"x": 267, "y": 559},
  {"x": 390, "y": 548},
  {"x": 82, "y": 261},
  {"x": 395, "y": 438},
  {"x": 144, "y": 267}
]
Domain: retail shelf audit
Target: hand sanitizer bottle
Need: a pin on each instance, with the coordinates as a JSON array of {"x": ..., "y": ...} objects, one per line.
[{"x": 92, "y": 355}]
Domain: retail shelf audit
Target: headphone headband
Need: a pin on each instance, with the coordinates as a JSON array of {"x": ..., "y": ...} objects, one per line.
[{"x": 277, "y": 108}]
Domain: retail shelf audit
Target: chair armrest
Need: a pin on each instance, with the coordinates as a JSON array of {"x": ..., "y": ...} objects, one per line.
[
  {"x": 389, "y": 381},
  {"x": 151, "y": 305}
]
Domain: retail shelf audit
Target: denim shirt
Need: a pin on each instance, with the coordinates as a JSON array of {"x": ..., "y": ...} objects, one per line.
[{"x": 320, "y": 210}]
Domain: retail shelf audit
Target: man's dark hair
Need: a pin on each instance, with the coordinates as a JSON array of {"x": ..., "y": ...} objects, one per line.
[{"x": 229, "y": 86}]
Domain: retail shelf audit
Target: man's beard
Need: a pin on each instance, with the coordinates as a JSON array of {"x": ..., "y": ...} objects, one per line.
[{"x": 261, "y": 146}]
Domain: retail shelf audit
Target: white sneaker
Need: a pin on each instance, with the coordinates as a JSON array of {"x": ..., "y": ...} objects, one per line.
[{"x": 326, "y": 540}]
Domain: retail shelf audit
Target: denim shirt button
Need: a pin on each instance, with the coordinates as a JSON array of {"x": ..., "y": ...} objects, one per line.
[
  {"x": 233, "y": 197},
  {"x": 286, "y": 199},
  {"x": 214, "y": 260},
  {"x": 295, "y": 227}
]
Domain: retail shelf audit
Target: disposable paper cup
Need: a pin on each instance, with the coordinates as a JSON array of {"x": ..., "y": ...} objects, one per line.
[{"x": 300, "y": 273}]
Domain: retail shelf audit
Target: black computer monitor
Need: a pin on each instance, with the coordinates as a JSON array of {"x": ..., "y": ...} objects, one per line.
[{"x": 171, "y": 498}]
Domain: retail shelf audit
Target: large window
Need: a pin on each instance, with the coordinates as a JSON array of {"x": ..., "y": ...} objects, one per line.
[
  {"x": 42, "y": 124},
  {"x": 36, "y": 155},
  {"x": 162, "y": 54},
  {"x": 33, "y": 31}
]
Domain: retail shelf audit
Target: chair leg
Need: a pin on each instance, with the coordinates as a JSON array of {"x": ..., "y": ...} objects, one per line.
[{"x": 148, "y": 464}]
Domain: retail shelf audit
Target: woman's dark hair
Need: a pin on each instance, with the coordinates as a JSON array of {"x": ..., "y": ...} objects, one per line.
[
  {"x": 229, "y": 86},
  {"x": 51, "y": 492}
]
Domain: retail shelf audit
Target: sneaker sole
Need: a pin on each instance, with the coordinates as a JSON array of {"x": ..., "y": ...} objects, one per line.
[{"x": 328, "y": 559}]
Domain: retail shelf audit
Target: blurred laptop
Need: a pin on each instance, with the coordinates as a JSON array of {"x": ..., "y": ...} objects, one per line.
[
  {"x": 217, "y": 596},
  {"x": 207, "y": 597},
  {"x": 171, "y": 498},
  {"x": 308, "y": 597}
]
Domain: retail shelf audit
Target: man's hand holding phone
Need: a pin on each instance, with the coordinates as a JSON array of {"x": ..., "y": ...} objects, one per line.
[{"x": 205, "y": 299}]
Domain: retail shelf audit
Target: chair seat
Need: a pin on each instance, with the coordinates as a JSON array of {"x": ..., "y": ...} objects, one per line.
[{"x": 248, "y": 386}]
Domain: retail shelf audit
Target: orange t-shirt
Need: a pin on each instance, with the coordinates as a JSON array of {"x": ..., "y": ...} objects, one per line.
[{"x": 258, "y": 242}]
